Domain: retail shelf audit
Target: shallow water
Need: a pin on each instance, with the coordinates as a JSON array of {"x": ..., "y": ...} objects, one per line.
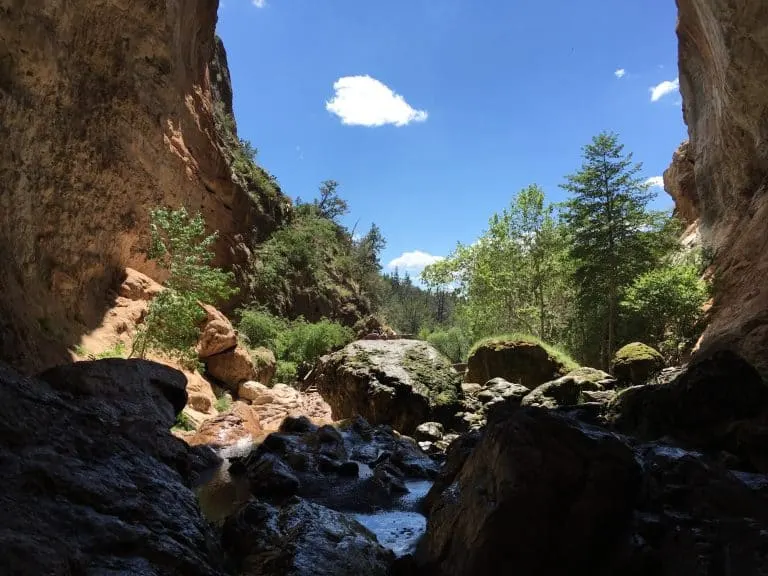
[{"x": 400, "y": 529}]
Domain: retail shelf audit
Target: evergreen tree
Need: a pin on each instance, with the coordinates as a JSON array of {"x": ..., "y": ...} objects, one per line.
[{"x": 613, "y": 239}]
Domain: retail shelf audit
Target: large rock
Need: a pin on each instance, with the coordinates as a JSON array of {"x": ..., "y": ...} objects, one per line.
[
  {"x": 237, "y": 424},
  {"x": 93, "y": 482},
  {"x": 273, "y": 405},
  {"x": 239, "y": 365},
  {"x": 217, "y": 333},
  {"x": 543, "y": 494},
  {"x": 723, "y": 61},
  {"x": 635, "y": 363},
  {"x": 680, "y": 183},
  {"x": 301, "y": 538},
  {"x": 537, "y": 495},
  {"x": 398, "y": 382},
  {"x": 119, "y": 127},
  {"x": 522, "y": 361},
  {"x": 717, "y": 403}
]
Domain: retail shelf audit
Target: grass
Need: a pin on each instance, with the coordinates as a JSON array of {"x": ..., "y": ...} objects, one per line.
[
  {"x": 223, "y": 403},
  {"x": 183, "y": 422},
  {"x": 117, "y": 351},
  {"x": 556, "y": 352}
]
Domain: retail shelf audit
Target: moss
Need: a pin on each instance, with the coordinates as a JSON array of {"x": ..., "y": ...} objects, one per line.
[
  {"x": 437, "y": 376},
  {"x": 636, "y": 351},
  {"x": 506, "y": 340}
]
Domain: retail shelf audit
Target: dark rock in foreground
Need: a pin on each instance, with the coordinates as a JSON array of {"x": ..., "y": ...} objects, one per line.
[{"x": 93, "y": 482}]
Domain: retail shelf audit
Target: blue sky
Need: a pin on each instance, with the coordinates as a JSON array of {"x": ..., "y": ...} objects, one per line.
[{"x": 431, "y": 114}]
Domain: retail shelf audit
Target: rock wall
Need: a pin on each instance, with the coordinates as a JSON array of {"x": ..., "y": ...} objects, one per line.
[
  {"x": 723, "y": 59},
  {"x": 106, "y": 112}
]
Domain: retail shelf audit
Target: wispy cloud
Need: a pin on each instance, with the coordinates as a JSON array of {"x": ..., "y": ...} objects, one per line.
[
  {"x": 413, "y": 262},
  {"x": 664, "y": 88},
  {"x": 655, "y": 182},
  {"x": 365, "y": 101},
  {"x": 259, "y": 3},
  {"x": 620, "y": 73}
]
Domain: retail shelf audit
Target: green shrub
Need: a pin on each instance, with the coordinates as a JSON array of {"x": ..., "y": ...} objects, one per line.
[
  {"x": 260, "y": 328},
  {"x": 180, "y": 246},
  {"x": 286, "y": 372},
  {"x": 116, "y": 351},
  {"x": 305, "y": 342},
  {"x": 183, "y": 422},
  {"x": 223, "y": 402},
  {"x": 452, "y": 343}
]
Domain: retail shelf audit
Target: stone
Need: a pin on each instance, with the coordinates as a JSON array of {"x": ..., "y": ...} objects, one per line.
[
  {"x": 430, "y": 431},
  {"x": 680, "y": 184},
  {"x": 402, "y": 383},
  {"x": 505, "y": 495},
  {"x": 87, "y": 448},
  {"x": 273, "y": 405},
  {"x": 255, "y": 393},
  {"x": 217, "y": 334},
  {"x": 200, "y": 392},
  {"x": 566, "y": 391},
  {"x": 716, "y": 403},
  {"x": 235, "y": 425},
  {"x": 138, "y": 286},
  {"x": 635, "y": 363},
  {"x": 515, "y": 360},
  {"x": 302, "y": 538},
  {"x": 232, "y": 367}
]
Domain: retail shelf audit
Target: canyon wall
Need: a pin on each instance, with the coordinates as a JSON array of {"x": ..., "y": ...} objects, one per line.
[
  {"x": 723, "y": 59},
  {"x": 107, "y": 110}
]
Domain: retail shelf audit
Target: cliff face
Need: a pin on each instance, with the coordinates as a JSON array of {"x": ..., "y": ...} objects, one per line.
[
  {"x": 106, "y": 112},
  {"x": 723, "y": 58}
]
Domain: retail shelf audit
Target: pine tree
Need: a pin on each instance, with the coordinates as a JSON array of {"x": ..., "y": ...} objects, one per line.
[{"x": 612, "y": 239}]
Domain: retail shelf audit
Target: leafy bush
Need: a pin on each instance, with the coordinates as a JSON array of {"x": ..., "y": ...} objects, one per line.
[
  {"x": 183, "y": 422},
  {"x": 305, "y": 342},
  {"x": 452, "y": 343},
  {"x": 260, "y": 328},
  {"x": 286, "y": 372},
  {"x": 223, "y": 402},
  {"x": 180, "y": 246}
]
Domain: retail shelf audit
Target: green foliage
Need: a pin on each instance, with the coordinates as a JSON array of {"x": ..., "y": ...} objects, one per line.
[
  {"x": 329, "y": 205},
  {"x": 286, "y": 371},
  {"x": 452, "y": 343},
  {"x": 180, "y": 246},
  {"x": 183, "y": 422},
  {"x": 664, "y": 307},
  {"x": 411, "y": 309},
  {"x": 116, "y": 351},
  {"x": 223, "y": 403},
  {"x": 614, "y": 239},
  {"x": 260, "y": 328},
  {"x": 556, "y": 352}
]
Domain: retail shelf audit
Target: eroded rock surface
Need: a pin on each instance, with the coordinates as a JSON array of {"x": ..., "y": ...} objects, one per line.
[
  {"x": 93, "y": 481},
  {"x": 402, "y": 383}
]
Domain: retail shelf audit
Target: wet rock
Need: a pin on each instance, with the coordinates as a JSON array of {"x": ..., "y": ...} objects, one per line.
[
  {"x": 93, "y": 481},
  {"x": 301, "y": 538},
  {"x": 237, "y": 424},
  {"x": 635, "y": 363},
  {"x": 402, "y": 383},
  {"x": 521, "y": 361},
  {"x": 430, "y": 431},
  {"x": 717, "y": 403}
]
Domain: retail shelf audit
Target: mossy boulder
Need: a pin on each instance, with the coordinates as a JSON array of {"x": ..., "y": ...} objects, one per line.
[
  {"x": 635, "y": 363},
  {"x": 402, "y": 383},
  {"x": 528, "y": 362}
]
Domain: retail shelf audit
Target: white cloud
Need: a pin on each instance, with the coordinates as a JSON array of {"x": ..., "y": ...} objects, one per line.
[
  {"x": 667, "y": 87},
  {"x": 655, "y": 182},
  {"x": 259, "y": 3},
  {"x": 414, "y": 261},
  {"x": 620, "y": 73},
  {"x": 364, "y": 101}
]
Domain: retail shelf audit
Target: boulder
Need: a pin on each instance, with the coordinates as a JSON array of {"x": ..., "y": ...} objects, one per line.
[
  {"x": 138, "y": 286},
  {"x": 536, "y": 495},
  {"x": 274, "y": 404},
  {"x": 240, "y": 365},
  {"x": 402, "y": 383},
  {"x": 429, "y": 432},
  {"x": 635, "y": 363},
  {"x": 237, "y": 424},
  {"x": 515, "y": 360},
  {"x": 201, "y": 397},
  {"x": 93, "y": 482},
  {"x": 217, "y": 334},
  {"x": 716, "y": 403},
  {"x": 680, "y": 183},
  {"x": 301, "y": 538},
  {"x": 568, "y": 390}
]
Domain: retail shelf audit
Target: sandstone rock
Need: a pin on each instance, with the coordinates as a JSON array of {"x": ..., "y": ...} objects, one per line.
[
  {"x": 429, "y": 431},
  {"x": 717, "y": 403},
  {"x": 504, "y": 500},
  {"x": 302, "y": 539},
  {"x": 237, "y": 424},
  {"x": 723, "y": 70},
  {"x": 514, "y": 360},
  {"x": 138, "y": 286},
  {"x": 142, "y": 112},
  {"x": 680, "y": 183},
  {"x": 217, "y": 334},
  {"x": 200, "y": 392},
  {"x": 272, "y": 405},
  {"x": 255, "y": 393},
  {"x": 635, "y": 363},
  {"x": 266, "y": 364},
  {"x": 86, "y": 447},
  {"x": 233, "y": 367},
  {"x": 398, "y": 382}
]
